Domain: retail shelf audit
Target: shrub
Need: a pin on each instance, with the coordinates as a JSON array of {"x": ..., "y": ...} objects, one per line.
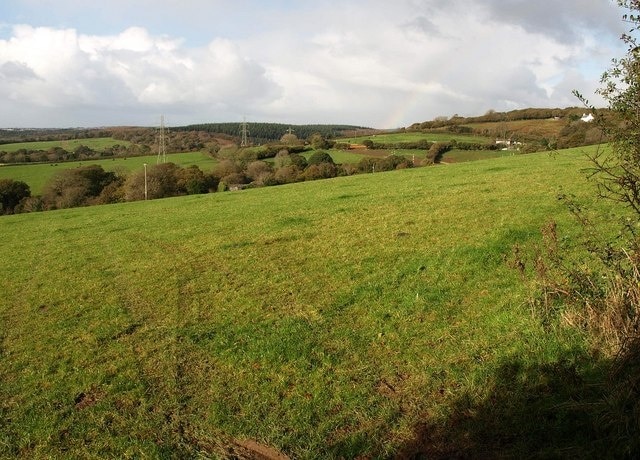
[
  {"x": 320, "y": 157},
  {"x": 319, "y": 171},
  {"x": 11, "y": 193},
  {"x": 192, "y": 181},
  {"x": 76, "y": 187},
  {"x": 162, "y": 181},
  {"x": 287, "y": 174},
  {"x": 298, "y": 160},
  {"x": 437, "y": 150}
]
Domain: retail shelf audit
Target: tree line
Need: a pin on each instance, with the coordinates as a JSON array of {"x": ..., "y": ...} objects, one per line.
[
  {"x": 92, "y": 185},
  {"x": 136, "y": 142},
  {"x": 260, "y": 133}
]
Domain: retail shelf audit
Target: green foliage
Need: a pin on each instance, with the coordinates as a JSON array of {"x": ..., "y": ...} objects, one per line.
[
  {"x": 322, "y": 170},
  {"x": 388, "y": 163},
  {"x": 268, "y": 132},
  {"x": 436, "y": 151},
  {"x": 64, "y": 150},
  {"x": 318, "y": 142},
  {"x": 287, "y": 174},
  {"x": 11, "y": 194},
  {"x": 167, "y": 180},
  {"x": 318, "y": 157},
  {"x": 192, "y": 181},
  {"x": 37, "y": 175},
  {"x": 298, "y": 160},
  {"x": 76, "y": 187}
]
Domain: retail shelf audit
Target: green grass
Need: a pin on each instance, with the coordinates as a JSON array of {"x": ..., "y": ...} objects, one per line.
[
  {"x": 328, "y": 319},
  {"x": 458, "y": 156},
  {"x": 416, "y": 136},
  {"x": 97, "y": 144},
  {"x": 37, "y": 175},
  {"x": 341, "y": 156}
]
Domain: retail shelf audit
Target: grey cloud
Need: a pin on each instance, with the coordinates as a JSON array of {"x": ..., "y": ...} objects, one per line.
[
  {"x": 423, "y": 25},
  {"x": 17, "y": 71},
  {"x": 561, "y": 20}
]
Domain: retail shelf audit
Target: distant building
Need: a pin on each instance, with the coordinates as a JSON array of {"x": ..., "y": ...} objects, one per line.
[
  {"x": 587, "y": 118},
  {"x": 508, "y": 144}
]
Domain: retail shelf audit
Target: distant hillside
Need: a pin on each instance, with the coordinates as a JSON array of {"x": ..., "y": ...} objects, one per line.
[
  {"x": 539, "y": 128},
  {"x": 266, "y": 132}
]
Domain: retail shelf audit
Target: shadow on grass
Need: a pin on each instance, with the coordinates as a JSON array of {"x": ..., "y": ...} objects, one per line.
[{"x": 567, "y": 409}]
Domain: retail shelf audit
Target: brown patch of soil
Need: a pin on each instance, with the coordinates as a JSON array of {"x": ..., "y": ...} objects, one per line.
[
  {"x": 251, "y": 450},
  {"x": 88, "y": 399}
]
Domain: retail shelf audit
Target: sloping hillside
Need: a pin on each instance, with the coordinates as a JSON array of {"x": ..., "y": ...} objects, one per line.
[{"x": 366, "y": 316}]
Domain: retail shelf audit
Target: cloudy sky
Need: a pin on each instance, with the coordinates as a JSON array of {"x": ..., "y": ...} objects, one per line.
[{"x": 376, "y": 63}]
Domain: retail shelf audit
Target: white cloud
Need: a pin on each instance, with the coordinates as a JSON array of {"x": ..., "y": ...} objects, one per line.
[
  {"x": 132, "y": 70},
  {"x": 364, "y": 62}
]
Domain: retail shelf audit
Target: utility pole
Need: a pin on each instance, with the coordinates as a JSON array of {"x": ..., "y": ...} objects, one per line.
[{"x": 146, "y": 194}]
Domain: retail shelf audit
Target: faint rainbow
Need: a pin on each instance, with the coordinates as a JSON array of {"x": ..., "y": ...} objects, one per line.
[{"x": 398, "y": 115}]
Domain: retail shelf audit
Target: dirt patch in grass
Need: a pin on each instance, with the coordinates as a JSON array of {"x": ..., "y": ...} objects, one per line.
[
  {"x": 88, "y": 398},
  {"x": 252, "y": 450}
]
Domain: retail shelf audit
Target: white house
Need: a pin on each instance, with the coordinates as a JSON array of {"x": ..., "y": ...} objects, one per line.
[{"x": 587, "y": 118}]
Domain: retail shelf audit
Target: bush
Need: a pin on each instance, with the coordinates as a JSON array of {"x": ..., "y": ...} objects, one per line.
[
  {"x": 11, "y": 193},
  {"x": 298, "y": 160},
  {"x": 287, "y": 174},
  {"x": 76, "y": 187},
  {"x": 437, "y": 150},
  {"x": 320, "y": 157},
  {"x": 192, "y": 181},
  {"x": 162, "y": 181},
  {"x": 319, "y": 171}
]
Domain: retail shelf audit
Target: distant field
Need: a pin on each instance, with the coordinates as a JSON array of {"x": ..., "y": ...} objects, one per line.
[
  {"x": 341, "y": 156},
  {"x": 37, "y": 175},
  {"x": 363, "y": 316},
  {"x": 457, "y": 156},
  {"x": 545, "y": 128},
  {"x": 97, "y": 144},
  {"x": 414, "y": 136}
]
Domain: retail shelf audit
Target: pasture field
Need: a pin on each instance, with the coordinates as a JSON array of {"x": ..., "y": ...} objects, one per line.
[
  {"x": 457, "y": 155},
  {"x": 36, "y": 175},
  {"x": 547, "y": 128},
  {"x": 341, "y": 156},
  {"x": 417, "y": 136},
  {"x": 358, "y": 316},
  {"x": 97, "y": 144}
]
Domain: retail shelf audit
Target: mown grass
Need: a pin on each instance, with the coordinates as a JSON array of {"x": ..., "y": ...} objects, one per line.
[
  {"x": 98, "y": 144},
  {"x": 326, "y": 319},
  {"x": 36, "y": 175}
]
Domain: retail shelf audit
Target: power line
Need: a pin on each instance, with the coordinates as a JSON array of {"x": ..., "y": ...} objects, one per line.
[
  {"x": 244, "y": 133},
  {"x": 162, "y": 146}
]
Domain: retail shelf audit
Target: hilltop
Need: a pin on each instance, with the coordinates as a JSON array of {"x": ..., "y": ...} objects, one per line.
[{"x": 537, "y": 128}]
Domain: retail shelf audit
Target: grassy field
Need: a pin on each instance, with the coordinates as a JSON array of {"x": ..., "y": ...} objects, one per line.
[
  {"x": 97, "y": 144},
  {"x": 342, "y": 156},
  {"x": 546, "y": 128},
  {"x": 37, "y": 175},
  {"x": 358, "y": 316},
  {"x": 457, "y": 156}
]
